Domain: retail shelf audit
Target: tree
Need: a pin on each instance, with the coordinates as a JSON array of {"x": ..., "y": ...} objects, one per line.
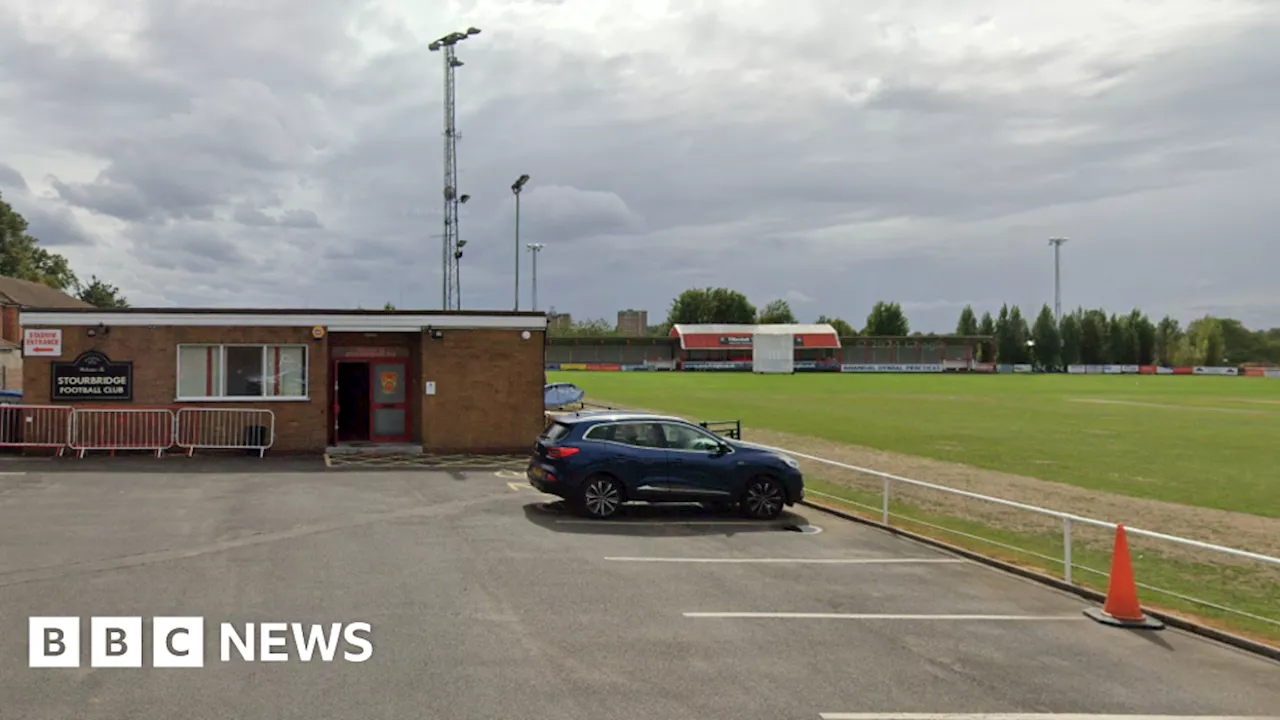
[
  {"x": 842, "y": 328},
  {"x": 388, "y": 306},
  {"x": 1048, "y": 348},
  {"x": 1167, "y": 337},
  {"x": 104, "y": 295},
  {"x": 968, "y": 323},
  {"x": 1123, "y": 348},
  {"x": 986, "y": 328},
  {"x": 1144, "y": 337},
  {"x": 711, "y": 305},
  {"x": 585, "y": 328},
  {"x": 1021, "y": 333},
  {"x": 1206, "y": 341},
  {"x": 22, "y": 257},
  {"x": 1239, "y": 343},
  {"x": 777, "y": 312},
  {"x": 1005, "y": 350},
  {"x": 1069, "y": 335},
  {"x": 887, "y": 320},
  {"x": 1094, "y": 343}
]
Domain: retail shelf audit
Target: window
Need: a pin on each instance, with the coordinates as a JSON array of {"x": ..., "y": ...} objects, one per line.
[
  {"x": 242, "y": 371},
  {"x": 601, "y": 432},
  {"x": 682, "y": 437},
  {"x": 645, "y": 435},
  {"x": 554, "y": 432}
]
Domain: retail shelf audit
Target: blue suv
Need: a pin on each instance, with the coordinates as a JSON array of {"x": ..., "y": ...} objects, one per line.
[{"x": 598, "y": 461}]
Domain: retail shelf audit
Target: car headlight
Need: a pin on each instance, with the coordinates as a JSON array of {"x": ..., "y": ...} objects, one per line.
[{"x": 791, "y": 463}]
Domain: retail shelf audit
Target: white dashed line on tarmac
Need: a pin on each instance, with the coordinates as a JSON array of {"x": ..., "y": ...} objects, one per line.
[
  {"x": 877, "y": 616},
  {"x": 1029, "y": 716},
  {"x": 798, "y": 561}
]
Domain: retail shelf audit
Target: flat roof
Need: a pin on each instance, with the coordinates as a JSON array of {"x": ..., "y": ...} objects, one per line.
[{"x": 338, "y": 320}]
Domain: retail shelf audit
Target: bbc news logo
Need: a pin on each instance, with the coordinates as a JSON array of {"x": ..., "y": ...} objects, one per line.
[{"x": 178, "y": 642}]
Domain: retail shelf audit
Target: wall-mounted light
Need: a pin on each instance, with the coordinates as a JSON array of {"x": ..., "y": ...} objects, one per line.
[
  {"x": 101, "y": 331},
  {"x": 433, "y": 333}
]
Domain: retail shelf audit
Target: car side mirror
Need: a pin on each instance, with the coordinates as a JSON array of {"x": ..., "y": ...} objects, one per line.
[{"x": 720, "y": 450}]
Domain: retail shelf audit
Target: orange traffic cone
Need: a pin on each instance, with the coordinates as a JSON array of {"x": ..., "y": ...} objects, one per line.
[{"x": 1121, "y": 608}]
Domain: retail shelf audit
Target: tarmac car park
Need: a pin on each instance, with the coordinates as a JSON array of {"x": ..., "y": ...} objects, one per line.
[{"x": 486, "y": 601}]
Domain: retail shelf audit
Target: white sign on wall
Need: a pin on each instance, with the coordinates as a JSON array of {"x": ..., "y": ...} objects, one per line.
[
  {"x": 42, "y": 343},
  {"x": 430, "y": 387}
]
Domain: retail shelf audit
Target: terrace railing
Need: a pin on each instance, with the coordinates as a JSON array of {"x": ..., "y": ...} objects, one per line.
[{"x": 1239, "y": 586}]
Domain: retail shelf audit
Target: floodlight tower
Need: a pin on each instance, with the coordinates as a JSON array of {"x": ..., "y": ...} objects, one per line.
[
  {"x": 451, "y": 252},
  {"x": 534, "y": 249},
  {"x": 1057, "y": 277}
]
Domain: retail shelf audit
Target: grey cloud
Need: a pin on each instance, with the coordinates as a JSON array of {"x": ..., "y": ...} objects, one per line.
[
  {"x": 10, "y": 178},
  {"x": 54, "y": 227},
  {"x": 121, "y": 201},
  {"x": 841, "y": 159},
  {"x": 252, "y": 217}
]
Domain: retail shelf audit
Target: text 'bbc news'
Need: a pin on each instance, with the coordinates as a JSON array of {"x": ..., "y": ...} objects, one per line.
[{"x": 178, "y": 642}]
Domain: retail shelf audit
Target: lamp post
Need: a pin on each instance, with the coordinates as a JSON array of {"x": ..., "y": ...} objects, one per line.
[
  {"x": 1057, "y": 277},
  {"x": 535, "y": 248},
  {"x": 516, "y": 187}
]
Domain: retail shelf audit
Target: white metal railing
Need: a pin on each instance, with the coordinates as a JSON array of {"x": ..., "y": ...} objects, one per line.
[
  {"x": 121, "y": 429},
  {"x": 35, "y": 426},
  {"x": 1068, "y": 522},
  {"x": 225, "y": 429}
]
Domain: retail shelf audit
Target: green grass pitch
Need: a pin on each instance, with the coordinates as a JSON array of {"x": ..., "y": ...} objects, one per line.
[{"x": 1206, "y": 441}]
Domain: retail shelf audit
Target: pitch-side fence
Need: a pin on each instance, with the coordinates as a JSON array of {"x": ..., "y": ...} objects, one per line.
[{"x": 891, "y": 485}]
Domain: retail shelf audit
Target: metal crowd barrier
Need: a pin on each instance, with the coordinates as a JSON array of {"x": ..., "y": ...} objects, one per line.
[
  {"x": 154, "y": 429},
  {"x": 121, "y": 429},
  {"x": 35, "y": 426},
  {"x": 225, "y": 429}
]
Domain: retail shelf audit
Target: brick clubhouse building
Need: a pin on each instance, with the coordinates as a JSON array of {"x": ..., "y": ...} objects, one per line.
[{"x": 444, "y": 382}]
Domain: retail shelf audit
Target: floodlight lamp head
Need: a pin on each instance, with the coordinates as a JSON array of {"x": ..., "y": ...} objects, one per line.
[
  {"x": 434, "y": 46},
  {"x": 464, "y": 199},
  {"x": 473, "y": 31},
  {"x": 456, "y": 63}
]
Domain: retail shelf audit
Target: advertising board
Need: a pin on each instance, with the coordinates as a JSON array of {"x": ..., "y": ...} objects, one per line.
[{"x": 891, "y": 368}]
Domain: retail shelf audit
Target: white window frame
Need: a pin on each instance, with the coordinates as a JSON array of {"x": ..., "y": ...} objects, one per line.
[{"x": 221, "y": 378}]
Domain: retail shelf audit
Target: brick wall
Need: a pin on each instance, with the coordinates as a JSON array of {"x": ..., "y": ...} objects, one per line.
[
  {"x": 300, "y": 425},
  {"x": 9, "y": 328},
  {"x": 489, "y": 383},
  {"x": 11, "y": 369},
  {"x": 489, "y": 391}
]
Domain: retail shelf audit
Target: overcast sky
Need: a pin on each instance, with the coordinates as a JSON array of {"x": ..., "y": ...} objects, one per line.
[{"x": 830, "y": 152}]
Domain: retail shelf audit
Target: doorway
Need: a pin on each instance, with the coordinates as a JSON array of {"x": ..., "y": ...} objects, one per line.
[
  {"x": 351, "y": 402},
  {"x": 371, "y": 401}
]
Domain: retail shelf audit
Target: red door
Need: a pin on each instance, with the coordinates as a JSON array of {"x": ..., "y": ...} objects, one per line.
[{"x": 389, "y": 401}]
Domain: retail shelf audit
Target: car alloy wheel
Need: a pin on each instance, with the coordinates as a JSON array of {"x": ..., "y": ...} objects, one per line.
[
  {"x": 764, "y": 499},
  {"x": 601, "y": 497}
]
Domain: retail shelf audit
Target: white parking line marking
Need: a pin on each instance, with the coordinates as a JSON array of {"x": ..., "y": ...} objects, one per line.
[
  {"x": 814, "y": 561},
  {"x": 873, "y": 616},
  {"x": 12, "y": 473},
  {"x": 1029, "y": 716}
]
